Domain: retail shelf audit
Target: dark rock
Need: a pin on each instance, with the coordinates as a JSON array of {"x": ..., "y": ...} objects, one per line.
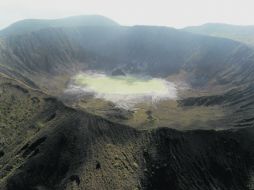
[
  {"x": 75, "y": 178},
  {"x": 98, "y": 165},
  {"x": 1, "y": 153},
  {"x": 118, "y": 72}
]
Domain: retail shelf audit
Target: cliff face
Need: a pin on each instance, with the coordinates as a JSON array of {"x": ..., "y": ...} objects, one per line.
[
  {"x": 156, "y": 51},
  {"x": 200, "y": 160}
]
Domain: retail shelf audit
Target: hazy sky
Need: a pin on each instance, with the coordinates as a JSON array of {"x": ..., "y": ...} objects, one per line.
[{"x": 176, "y": 13}]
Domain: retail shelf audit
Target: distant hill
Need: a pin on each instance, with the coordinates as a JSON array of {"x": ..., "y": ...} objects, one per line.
[
  {"x": 31, "y": 25},
  {"x": 243, "y": 34}
]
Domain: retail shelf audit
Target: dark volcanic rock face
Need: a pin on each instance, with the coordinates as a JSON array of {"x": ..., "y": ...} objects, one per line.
[
  {"x": 169, "y": 159},
  {"x": 70, "y": 149},
  {"x": 199, "y": 160},
  {"x": 158, "y": 51},
  {"x": 118, "y": 72},
  {"x": 238, "y": 100}
]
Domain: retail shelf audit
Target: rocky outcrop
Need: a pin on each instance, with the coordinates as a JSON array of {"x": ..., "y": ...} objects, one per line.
[{"x": 118, "y": 72}]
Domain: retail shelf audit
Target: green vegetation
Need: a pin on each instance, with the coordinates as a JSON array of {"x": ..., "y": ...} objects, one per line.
[
  {"x": 20, "y": 120},
  {"x": 165, "y": 113}
]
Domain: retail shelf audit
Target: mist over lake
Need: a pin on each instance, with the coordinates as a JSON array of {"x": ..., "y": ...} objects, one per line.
[{"x": 123, "y": 91}]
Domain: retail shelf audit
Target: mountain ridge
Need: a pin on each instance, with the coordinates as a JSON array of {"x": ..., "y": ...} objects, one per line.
[
  {"x": 241, "y": 33},
  {"x": 31, "y": 25}
]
